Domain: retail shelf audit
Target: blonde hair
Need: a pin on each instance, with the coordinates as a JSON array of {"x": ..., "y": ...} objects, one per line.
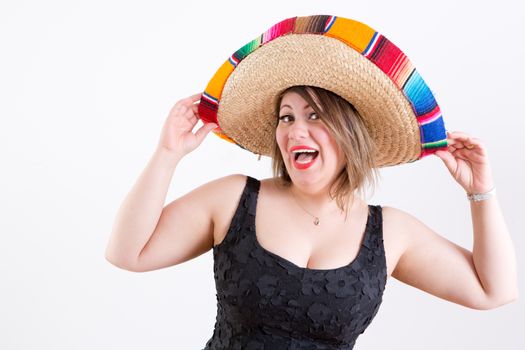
[{"x": 346, "y": 126}]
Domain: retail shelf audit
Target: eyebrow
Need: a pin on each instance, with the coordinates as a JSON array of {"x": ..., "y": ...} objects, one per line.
[{"x": 286, "y": 105}]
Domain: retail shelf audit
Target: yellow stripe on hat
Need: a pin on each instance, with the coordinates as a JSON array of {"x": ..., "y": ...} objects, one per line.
[
  {"x": 354, "y": 33},
  {"x": 224, "y": 136},
  {"x": 216, "y": 84}
]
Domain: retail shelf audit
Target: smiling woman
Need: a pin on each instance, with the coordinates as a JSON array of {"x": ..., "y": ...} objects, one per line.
[
  {"x": 301, "y": 261},
  {"x": 342, "y": 133}
]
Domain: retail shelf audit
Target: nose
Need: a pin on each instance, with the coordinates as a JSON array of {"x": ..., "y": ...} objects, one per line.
[{"x": 298, "y": 129}]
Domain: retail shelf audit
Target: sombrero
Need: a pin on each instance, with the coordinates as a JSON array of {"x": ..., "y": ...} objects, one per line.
[{"x": 338, "y": 54}]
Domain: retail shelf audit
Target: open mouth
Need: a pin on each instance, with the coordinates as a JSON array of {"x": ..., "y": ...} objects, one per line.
[
  {"x": 303, "y": 160},
  {"x": 305, "y": 157}
]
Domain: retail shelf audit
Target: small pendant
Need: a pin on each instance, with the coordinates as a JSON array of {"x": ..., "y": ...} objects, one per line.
[{"x": 316, "y": 221}]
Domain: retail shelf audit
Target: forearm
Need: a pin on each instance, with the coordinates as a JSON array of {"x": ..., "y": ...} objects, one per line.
[
  {"x": 493, "y": 252},
  {"x": 140, "y": 211}
]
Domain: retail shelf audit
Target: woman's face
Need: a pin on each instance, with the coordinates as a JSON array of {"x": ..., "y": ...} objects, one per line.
[{"x": 299, "y": 126}]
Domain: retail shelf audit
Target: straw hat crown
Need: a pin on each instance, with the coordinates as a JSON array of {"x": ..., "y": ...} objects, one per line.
[{"x": 338, "y": 54}]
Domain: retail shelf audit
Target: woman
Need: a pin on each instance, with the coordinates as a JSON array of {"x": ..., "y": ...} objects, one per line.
[{"x": 300, "y": 260}]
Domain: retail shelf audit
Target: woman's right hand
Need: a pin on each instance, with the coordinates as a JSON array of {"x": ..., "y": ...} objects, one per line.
[{"x": 177, "y": 136}]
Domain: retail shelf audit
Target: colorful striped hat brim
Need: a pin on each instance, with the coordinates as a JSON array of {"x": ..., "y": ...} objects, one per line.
[{"x": 341, "y": 55}]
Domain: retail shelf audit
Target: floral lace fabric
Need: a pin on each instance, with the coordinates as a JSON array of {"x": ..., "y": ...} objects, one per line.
[{"x": 265, "y": 301}]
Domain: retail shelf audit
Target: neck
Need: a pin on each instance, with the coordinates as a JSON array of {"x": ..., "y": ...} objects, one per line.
[{"x": 317, "y": 201}]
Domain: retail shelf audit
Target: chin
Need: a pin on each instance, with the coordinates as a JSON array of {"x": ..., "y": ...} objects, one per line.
[{"x": 306, "y": 179}]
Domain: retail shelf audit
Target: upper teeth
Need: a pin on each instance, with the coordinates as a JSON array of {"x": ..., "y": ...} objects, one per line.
[{"x": 304, "y": 150}]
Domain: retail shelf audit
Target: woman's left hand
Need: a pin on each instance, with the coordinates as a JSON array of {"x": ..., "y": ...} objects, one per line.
[{"x": 467, "y": 161}]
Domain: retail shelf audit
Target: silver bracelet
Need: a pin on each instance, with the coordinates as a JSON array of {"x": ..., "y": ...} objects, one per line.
[{"x": 477, "y": 197}]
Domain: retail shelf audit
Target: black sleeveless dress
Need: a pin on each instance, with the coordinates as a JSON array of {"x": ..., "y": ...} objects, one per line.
[{"x": 267, "y": 302}]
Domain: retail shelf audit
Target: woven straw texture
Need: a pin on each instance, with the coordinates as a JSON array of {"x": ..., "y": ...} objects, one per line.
[{"x": 337, "y": 54}]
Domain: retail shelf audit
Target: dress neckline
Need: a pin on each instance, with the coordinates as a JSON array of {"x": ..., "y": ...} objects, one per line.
[{"x": 306, "y": 268}]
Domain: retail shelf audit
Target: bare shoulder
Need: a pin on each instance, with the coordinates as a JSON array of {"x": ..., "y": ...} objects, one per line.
[
  {"x": 396, "y": 218},
  {"x": 408, "y": 236},
  {"x": 400, "y": 225},
  {"x": 186, "y": 225},
  {"x": 224, "y": 188},
  {"x": 224, "y": 191}
]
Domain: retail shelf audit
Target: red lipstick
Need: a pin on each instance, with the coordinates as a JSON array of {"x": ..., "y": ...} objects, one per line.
[{"x": 302, "y": 165}]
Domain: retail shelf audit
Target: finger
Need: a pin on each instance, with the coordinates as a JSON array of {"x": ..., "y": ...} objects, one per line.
[
  {"x": 458, "y": 135},
  {"x": 454, "y": 142},
  {"x": 188, "y": 113},
  {"x": 476, "y": 154},
  {"x": 195, "y": 108},
  {"x": 188, "y": 101},
  {"x": 470, "y": 144},
  {"x": 461, "y": 140},
  {"x": 461, "y": 153},
  {"x": 474, "y": 143},
  {"x": 458, "y": 145},
  {"x": 451, "y": 141},
  {"x": 448, "y": 159},
  {"x": 204, "y": 130}
]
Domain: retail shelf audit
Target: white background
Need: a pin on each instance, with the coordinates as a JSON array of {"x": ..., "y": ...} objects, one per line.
[{"x": 85, "y": 88}]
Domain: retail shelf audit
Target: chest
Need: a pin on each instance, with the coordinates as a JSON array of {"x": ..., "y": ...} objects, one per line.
[
  {"x": 291, "y": 233},
  {"x": 288, "y": 232}
]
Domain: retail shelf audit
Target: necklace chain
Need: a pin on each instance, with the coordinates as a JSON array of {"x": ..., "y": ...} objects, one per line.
[
  {"x": 316, "y": 221},
  {"x": 316, "y": 218}
]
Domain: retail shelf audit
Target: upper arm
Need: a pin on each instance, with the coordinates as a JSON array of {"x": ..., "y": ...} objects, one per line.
[
  {"x": 434, "y": 264},
  {"x": 185, "y": 228}
]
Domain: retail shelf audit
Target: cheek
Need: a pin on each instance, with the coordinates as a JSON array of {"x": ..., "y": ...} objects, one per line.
[{"x": 327, "y": 139}]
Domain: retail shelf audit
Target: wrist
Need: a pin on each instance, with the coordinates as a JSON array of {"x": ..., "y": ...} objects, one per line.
[{"x": 168, "y": 155}]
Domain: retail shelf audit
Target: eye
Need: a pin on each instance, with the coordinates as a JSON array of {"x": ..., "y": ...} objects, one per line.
[
  {"x": 283, "y": 118},
  {"x": 286, "y": 118}
]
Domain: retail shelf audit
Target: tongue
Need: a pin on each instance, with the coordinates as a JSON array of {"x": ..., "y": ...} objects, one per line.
[{"x": 306, "y": 157}]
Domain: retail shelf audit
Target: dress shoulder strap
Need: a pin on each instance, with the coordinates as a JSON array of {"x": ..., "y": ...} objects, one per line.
[
  {"x": 376, "y": 212},
  {"x": 251, "y": 192},
  {"x": 247, "y": 205},
  {"x": 374, "y": 231}
]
